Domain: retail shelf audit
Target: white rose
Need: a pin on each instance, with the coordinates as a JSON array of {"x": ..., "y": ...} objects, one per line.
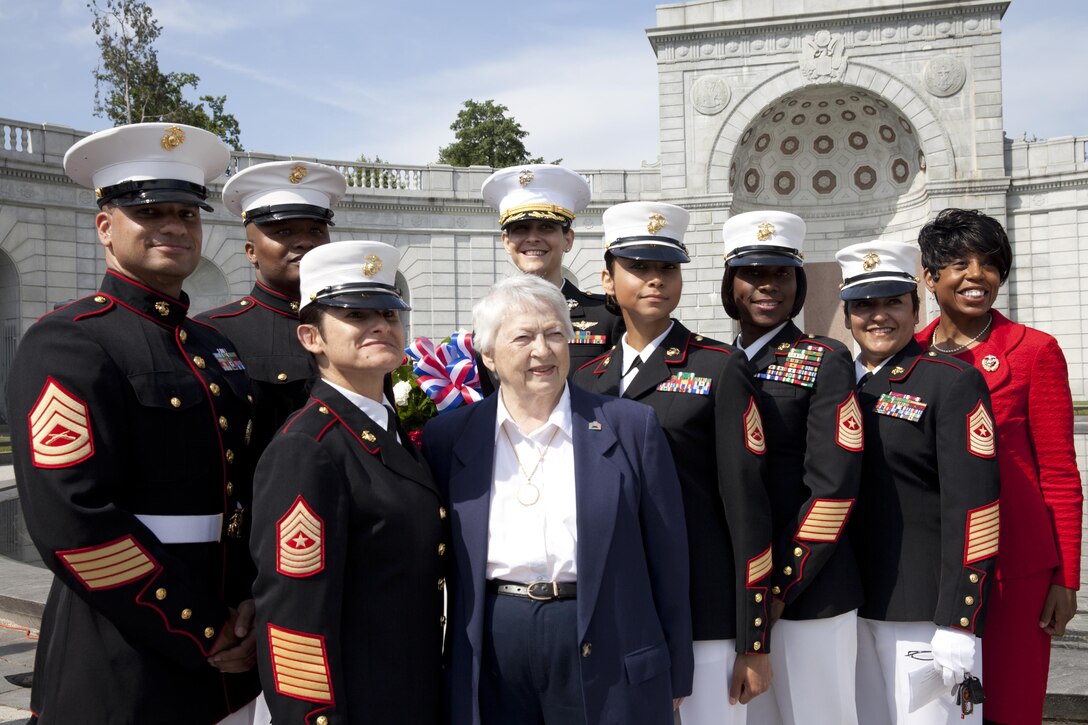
[{"x": 401, "y": 391}]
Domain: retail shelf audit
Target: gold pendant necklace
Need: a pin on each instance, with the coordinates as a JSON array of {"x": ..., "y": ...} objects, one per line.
[{"x": 528, "y": 492}]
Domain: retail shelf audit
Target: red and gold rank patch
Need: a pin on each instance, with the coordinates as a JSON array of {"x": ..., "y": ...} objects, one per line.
[
  {"x": 824, "y": 521},
  {"x": 301, "y": 550},
  {"x": 754, "y": 439},
  {"x": 300, "y": 666},
  {"x": 60, "y": 428},
  {"x": 983, "y": 528},
  {"x": 759, "y": 567},
  {"x": 110, "y": 565},
  {"x": 981, "y": 439},
  {"x": 849, "y": 433}
]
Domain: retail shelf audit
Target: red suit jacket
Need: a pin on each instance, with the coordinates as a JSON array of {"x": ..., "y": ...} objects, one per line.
[{"x": 1026, "y": 373}]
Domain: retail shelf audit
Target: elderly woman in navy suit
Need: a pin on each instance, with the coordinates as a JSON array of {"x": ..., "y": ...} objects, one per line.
[{"x": 569, "y": 595}]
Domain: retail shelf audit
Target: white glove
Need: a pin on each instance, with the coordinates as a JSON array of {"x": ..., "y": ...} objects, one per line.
[{"x": 953, "y": 654}]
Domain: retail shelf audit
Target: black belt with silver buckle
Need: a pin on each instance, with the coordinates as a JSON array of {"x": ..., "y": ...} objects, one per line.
[{"x": 538, "y": 591}]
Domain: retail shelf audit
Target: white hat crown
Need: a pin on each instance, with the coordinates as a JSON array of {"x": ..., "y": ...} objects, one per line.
[
  {"x": 878, "y": 267},
  {"x": 350, "y": 267},
  {"x": 762, "y": 235},
  {"x": 536, "y": 191},
  {"x": 284, "y": 183}
]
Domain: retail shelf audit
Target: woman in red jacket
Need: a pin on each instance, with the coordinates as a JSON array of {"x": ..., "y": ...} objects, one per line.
[{"x": 967, "y": 257}]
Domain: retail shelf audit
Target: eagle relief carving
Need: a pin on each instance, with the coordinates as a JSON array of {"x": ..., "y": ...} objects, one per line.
[{"x": 823, "y": 57}]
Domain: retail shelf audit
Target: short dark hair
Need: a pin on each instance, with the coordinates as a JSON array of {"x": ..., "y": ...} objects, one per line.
[
  {"x": 730, "y": 305},
  {"x": 956, "y": 233},
  {"x": 312, "y": 314},
  {"x": 610, "y": 302}
]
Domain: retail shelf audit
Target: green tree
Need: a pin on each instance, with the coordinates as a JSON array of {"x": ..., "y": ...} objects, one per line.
[
  {"x": 129, "y": 87},
  {"x": 486, "y": 136},
  {"x": 374, "y": 178}
]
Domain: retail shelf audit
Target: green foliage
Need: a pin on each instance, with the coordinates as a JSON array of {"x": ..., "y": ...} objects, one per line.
[
  {"x": 129, "y": 87},
  {"x": 418, "y": 408},
  {"x": 374, "y": 178},
  {"x": 486, "y": 136}
]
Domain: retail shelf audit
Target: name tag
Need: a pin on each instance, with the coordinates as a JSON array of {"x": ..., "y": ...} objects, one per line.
[
  {"x": 686, "y": 383},
  {"x": 900, "y": 405}
]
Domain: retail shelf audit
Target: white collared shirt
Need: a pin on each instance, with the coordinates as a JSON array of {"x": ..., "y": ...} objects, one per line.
[
  {"x": 631, "y": 355},
  {"x": 373, "y": 409},
  {"x": 860, "y": 369},
  {"x": 751, "y": 350},
  {"x": 537, "y": 542}
]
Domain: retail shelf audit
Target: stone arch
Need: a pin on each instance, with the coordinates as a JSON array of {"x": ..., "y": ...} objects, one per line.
[
  {"x": 932, "y": 136},
  {"x": 207, "y": 287},
  {"x": 9, "y": 322}
]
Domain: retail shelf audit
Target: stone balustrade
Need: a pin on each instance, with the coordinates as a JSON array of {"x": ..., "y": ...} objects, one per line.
[{"x": 1044, "y": 157}]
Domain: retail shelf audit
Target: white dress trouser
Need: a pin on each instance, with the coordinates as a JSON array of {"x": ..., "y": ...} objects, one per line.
[
  {"x": 887, "y": 653},
  {"x": 813, "y": 682},
  {"x": 255, "y": 713},
  {"x": 708, "y": 703}
]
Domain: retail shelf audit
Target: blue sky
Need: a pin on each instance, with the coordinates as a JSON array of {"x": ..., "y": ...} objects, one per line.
[{"x": 333, "y": 79}]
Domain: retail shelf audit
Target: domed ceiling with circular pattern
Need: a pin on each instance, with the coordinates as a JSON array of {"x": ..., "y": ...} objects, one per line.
[{"x": 827, "y": 145}]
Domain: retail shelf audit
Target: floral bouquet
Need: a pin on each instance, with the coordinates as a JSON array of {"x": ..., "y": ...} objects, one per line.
[{"x": 435, "y": 379}]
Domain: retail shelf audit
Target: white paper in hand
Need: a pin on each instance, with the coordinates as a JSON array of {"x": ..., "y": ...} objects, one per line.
[{"x": 926, "y": 685}]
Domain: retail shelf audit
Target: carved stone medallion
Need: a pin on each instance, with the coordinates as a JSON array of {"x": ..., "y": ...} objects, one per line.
[
  {"x": 710, "y": 95},
  {"x": 945, "y": 76}
]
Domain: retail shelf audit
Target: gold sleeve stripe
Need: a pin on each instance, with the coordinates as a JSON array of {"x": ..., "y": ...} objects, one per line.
[
  {"x": 759, "y": 567},
  {"x": 753, "y": 429},
  {"x": 981, "y": 438},
  {"x": 825, "y": 520},
  {"x": 300, "y": 666},
  {"x": 983, "y": 531},
  {"x": 60, "y": 429},
  {"x": 109, "y": 565}
]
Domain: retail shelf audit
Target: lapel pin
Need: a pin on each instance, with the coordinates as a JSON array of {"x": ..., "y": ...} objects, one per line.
[{"x": 595, "y": 425}]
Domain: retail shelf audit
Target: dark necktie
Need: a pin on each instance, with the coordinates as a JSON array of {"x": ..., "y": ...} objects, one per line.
[{"x": 864, "y": 379}]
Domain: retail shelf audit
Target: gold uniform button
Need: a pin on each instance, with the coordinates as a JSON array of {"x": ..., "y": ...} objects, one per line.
[
  {"x": 757, "y": 646},
  {"x": 321, "y": 720},
  {"x": 214, "y": 389},
  {"x": 186, "y": 613},
  {"x": 964, "y": 621},
  {"x": 441, "y": 584},
  {"x": 209, "y": 633},
  {"x": 776, "y": 590},
  {"x": 230, "y": 456},
  {"x": 230, "y": 488},
  {"x": 198, "y": 361},
  {"x": 441, "y": 549},
  {"x": 183, "y": 335},
  {"x": 160, "y": 594},
  {"x": 969, "y": 600},
  {"x": 99, "y": 299},
  {"x": 587, "y": 649},
  {"x": 176, "y": 402},
  {"x": 323, "y": 410},
  {"x": 758, "y": 622},
  {"x": 787, "y": 570},
  {"x": 250, "y": 399},
  {"x": 281, "y": 377},
  {"x": 223, "y": 422},
  {"x": 973, "y": 578},
  {"x": 442, "y": 620},
  {"x": 441, "y": 512},
  {"x": 798, "y": 551},
  {"x": 759, "y": 599}
]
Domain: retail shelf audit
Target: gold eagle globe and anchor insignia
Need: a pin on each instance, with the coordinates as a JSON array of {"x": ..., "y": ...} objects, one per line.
[
  {"x": 656, "y": 223},
  {"x": 163, "y": 308},
  {"x": 372, "y": 265},
  {"x": 765, "y": 231},
  {"x": 298, "y": 173},
  {"x": 173, "y": 138},
  {"x": 525, "y": 177},
  {"x": 870, "y": 261}
]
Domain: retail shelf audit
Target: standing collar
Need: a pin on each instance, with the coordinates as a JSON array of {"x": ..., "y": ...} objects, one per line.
[
  {"x": 630, "y": 354},
  {"x": 163, "y": 309},
  {"x": 270, "y": 298},
  {"x": 752, "y": 349}
]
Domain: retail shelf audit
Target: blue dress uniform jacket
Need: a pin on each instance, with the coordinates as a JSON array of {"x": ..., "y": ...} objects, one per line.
[
  {"x": 349, "y": 535},
  {"x": 814, "y": 455},
  {"x": 263, "y": 328},
  {"x": 595, "y": 331},
  {"x": 634, "y": 624},
  {"x": 703, "y": 394},
  {"x": 925, "y": 528},
  {"x": 122, "y": 406}
]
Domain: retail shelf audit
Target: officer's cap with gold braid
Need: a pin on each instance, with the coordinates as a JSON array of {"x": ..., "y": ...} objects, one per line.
[
  {"x": 279, "y": 190},
  {"x": 772, "y": 238},
  {"x": 356, "y": 274},
  {"x": 646, "y": 230},
  {"x": 877, "y": 269},
  {"x": 543, "y": 192},
  {"x": 148, "y": 163}
]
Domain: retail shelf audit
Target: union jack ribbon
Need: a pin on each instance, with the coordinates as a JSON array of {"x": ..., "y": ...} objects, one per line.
[{"x": 447, "y": 371}]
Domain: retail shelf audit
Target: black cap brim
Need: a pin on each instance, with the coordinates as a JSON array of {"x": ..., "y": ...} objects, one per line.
[
  {"x": 364, "y": 301},
  {"x": 652, "y": 253},
  {"x": 877, "y": 289},
  {"x": 282, "y": 216},
  {"x": 159, "y": 196},
  {"x": 764, "y": 259}
]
